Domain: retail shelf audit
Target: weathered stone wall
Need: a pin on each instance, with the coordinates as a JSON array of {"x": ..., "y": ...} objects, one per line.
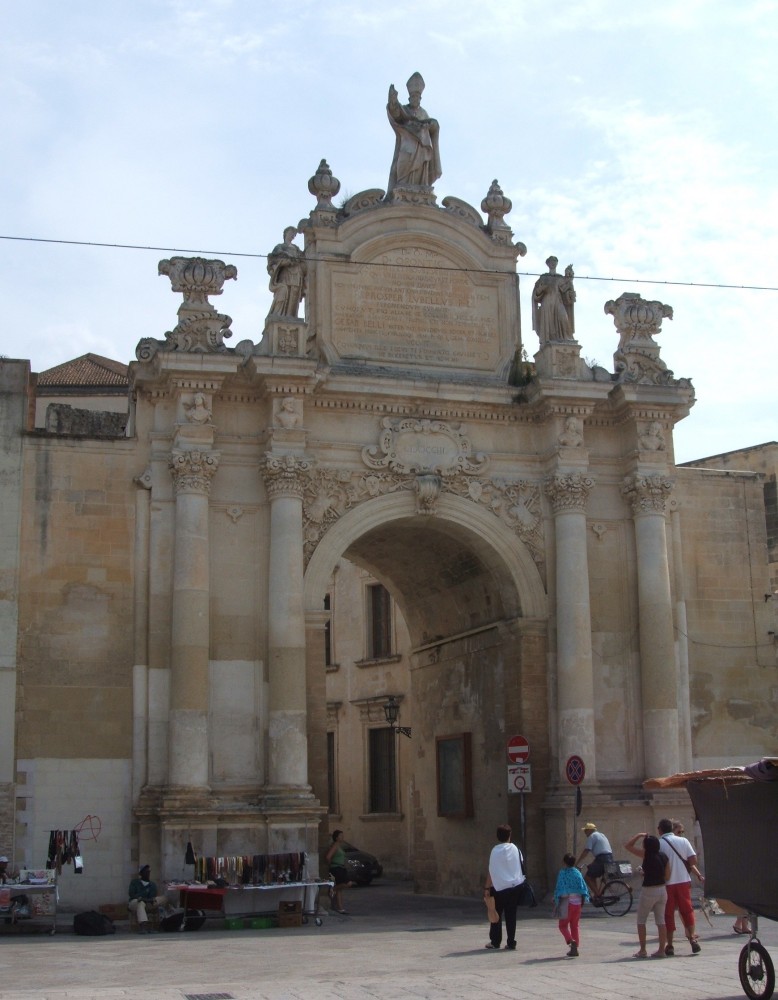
[
  {"x": 14, "y": 380},
  {"x": 76, "y": 607},
  {"x": 732, "y": 656}
]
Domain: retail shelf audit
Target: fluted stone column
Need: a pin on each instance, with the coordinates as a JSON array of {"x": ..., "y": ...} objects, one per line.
[
  {"x": 288, "y": 747},
  {"x": 192, "y": 472},
  {"x": 569, "y": 494},
  {"x": 658, "y": 671}
]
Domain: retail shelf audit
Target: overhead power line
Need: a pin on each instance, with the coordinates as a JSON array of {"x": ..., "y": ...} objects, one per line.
[{"x": 433, "y": 267}]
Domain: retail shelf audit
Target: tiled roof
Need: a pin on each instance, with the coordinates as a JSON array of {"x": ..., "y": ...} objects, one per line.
[{"x": 88, "y": 370}]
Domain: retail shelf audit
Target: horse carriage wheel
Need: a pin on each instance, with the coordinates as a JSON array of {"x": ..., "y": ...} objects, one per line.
[{"x": 757, "y": 974}]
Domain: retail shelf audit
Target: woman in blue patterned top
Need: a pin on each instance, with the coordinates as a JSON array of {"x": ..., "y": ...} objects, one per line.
[{"x": 569, "y": 896}]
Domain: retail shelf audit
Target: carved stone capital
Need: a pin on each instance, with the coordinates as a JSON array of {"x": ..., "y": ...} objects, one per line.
[
  {"x": 285, "y": 475},
  {"x": 193, "y": 471},
  {"x": 647, "y": 494},
  {"x": 569, "y": 493}
]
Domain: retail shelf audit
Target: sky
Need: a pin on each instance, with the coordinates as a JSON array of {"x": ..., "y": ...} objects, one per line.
[{"x": 635, "y": 141}]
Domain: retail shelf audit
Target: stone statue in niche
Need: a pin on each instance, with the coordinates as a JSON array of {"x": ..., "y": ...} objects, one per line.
[
  {"x": 416, "y": 159},
  {"x": 198, "y": 411},
  {"x": 571, "y": 436},
  {"x": 653, "y": 438},
  {"x": 287, "y": 269},
  {"x": 288, "y": 413},
  {"x": 553, "y": 297}
]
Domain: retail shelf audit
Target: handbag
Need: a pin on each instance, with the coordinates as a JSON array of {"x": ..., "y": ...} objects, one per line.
[{"x": 527, "y": 896}]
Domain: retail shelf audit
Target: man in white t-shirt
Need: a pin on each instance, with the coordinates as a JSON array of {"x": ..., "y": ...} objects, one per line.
[
  {"x": 679, "y": 885},
  {"x": 504, "y": 881}
]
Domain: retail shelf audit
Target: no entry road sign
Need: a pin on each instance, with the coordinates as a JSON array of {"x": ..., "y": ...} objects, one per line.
[{"x": 518, "y": 750}]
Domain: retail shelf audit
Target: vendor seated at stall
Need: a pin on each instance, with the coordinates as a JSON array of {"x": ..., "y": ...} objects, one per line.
[
  {"x": 143, "y": 891},
  {"x": 13, "y": 905}
]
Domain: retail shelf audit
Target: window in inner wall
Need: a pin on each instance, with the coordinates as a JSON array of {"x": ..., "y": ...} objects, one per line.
[
  {"x": 379, "y": 622},
  {"x": 383, "y": 770},
  {"x": 332, "y": 782}
]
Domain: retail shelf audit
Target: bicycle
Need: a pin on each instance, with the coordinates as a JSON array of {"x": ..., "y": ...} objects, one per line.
[
  {"x": 755, "y": 967},
  {"x": 614, "y": 895}
]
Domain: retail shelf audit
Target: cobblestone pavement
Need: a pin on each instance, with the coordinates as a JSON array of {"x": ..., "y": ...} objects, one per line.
[{"x": 392, "y": 946}]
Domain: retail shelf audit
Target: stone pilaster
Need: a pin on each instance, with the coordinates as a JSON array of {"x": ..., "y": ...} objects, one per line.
[
  {"x": 658, "y": 670},
  {"x": 284, "y": 477},
  {"x": 140, "y": 669},
  {"x": 193, "y": 472},
  {"x": 569, "y": 494}
]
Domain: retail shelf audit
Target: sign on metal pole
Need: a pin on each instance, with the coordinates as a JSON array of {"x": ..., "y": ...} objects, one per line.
[
  {"x": 575, "y": 770},
  {"x": 518, "y": 750},
  {"x": 519, "y": 779}
]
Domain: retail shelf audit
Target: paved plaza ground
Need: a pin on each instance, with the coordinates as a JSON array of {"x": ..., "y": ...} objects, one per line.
[{"x": 393, "y": 945}]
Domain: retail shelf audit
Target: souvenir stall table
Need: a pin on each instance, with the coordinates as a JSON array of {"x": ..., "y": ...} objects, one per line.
[
  {"x": 258, "y": 886},
  {"x": 40, "y": 887},
  {"x": 250, "y": 900}
]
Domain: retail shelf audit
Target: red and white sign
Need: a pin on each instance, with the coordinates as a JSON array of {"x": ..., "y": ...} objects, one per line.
[
  {"x": 518, "y": 750},
  {"x": 519, "y": 779},
  {"x": 575, "y": 770}
]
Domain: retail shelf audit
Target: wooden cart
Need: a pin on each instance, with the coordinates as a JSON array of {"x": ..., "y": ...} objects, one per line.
[{"x": 738, "y": 816}]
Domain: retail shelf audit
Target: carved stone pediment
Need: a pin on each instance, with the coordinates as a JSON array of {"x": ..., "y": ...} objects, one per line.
[{"x": 411, "y": 445}]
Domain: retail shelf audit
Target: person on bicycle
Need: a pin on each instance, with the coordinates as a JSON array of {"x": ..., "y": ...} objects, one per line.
[{"x": 598, "y": 845}]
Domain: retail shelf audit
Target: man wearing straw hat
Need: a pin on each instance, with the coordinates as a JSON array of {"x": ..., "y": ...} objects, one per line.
[{"x": 598, "y": 845}]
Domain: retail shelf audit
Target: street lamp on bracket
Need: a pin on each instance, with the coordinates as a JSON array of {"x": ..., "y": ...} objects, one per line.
[{"x": 392, "y": 713}]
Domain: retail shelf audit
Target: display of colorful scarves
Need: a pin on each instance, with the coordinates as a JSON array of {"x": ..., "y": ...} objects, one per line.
[{"x": 251, "y": 869}]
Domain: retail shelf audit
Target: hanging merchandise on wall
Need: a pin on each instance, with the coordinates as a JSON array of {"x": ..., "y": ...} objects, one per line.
[{"x": 64, "y": 849}]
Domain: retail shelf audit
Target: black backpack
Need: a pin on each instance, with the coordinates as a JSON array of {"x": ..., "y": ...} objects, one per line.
[{"x": 93, "y": 924}]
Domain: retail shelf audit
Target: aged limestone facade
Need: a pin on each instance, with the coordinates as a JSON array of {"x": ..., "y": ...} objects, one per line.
[{"x": 204, "y": 617}]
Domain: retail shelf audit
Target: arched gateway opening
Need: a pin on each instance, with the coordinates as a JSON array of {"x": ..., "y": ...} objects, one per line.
[{"x": 474, "y": 606}]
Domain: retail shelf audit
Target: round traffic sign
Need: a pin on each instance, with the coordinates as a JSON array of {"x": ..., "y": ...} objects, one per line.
[
  {"x": 575, "y": 769},
  {"x": 518, "y": 750}
]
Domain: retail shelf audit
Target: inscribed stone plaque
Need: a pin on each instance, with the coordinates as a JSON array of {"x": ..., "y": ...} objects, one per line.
[{"x": 413, "y": 305}]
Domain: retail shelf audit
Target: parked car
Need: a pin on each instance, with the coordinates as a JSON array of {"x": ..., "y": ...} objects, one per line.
[{"x": 362, "y": 867}]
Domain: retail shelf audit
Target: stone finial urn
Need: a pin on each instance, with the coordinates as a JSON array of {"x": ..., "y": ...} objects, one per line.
[{"x": 324, "y": 186}]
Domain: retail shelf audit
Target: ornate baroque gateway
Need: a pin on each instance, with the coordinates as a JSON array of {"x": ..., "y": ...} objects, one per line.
[{"x": 400, "y": 500}]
